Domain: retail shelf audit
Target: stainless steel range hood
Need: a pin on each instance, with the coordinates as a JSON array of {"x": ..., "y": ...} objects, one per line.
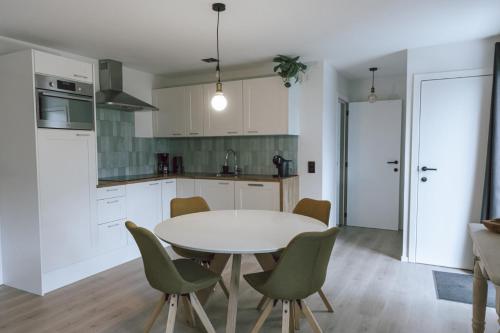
[{"x": 111, "y": 95}]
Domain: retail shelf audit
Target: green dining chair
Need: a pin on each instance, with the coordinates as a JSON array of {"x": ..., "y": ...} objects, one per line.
[
  {"x": 319, "y": 210},
  {"x": 175, "y": 279},
  {"x": 300, "y": 272},
  {"x": 183, "y": 206}
]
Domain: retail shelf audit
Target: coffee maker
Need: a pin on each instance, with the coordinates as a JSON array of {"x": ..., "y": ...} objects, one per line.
[
  {"x": 162, "y": 165},
  {"x": 283, "y": 166}
]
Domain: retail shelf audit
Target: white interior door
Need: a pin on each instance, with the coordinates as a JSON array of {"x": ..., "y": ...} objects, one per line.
[
  {"x": 374, "y": 148},
  {"x": 454, "y": 117}
]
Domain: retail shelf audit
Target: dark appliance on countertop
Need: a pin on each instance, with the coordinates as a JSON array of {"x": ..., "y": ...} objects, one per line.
[
  {"x": 64, "y": 103},
  {"x": 283, "y": 166},
  {"x": 177, "y": 165},
  {"x": 162, "y": 163},
  {"x": 111, "y": 95}
]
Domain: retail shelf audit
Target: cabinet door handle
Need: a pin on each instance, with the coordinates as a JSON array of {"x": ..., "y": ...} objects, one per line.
[
  {"x": 256, "y": 185},
  {"x": 153, "y": 184},
  {"x": 112, "y": 190},
  {"x": 252, "y": 131},
  {"x": 169, "y": 182},
  {"x": 194, "y": 133},
  {"x": 113, "y": 225},
  {"x": 223, "y": 183},
  {"x": 81, "y": 76},
  {"x": 112, "y": 202},
  {"x": 82, "y": 134},
  {"x": 176, "y": 134},
  {"x": 232, "y": 132}
]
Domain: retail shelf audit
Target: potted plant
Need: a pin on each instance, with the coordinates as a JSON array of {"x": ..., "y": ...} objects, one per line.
[{"x": 289, "y": 68}]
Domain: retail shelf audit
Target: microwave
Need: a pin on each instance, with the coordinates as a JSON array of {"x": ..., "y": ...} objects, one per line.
[{"x": 63, "y": 103}]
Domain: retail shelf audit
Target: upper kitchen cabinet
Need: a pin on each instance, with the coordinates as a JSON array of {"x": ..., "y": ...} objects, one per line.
[
  {"x": 50, "y": 64},
  {"x": 194, "y": 110},
  {"x": 170, "y": 120},
  {"x": 229, "y": 121},
  {"x": 269, "y": 108}
]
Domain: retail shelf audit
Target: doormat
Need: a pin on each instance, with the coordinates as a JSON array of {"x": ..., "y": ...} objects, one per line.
[{"x": 457, "y": 287}]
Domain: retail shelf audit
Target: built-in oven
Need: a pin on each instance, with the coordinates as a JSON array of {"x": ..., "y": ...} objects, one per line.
[{"x": 63, "y": 103}]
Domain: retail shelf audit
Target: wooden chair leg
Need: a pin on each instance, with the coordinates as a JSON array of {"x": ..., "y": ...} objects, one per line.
[
  {"x": 224, "y": 288},
  {"x": 327, "y": 303},
  {"x": 310, "y": 318},
  {"x": 262, "y": 302},
  {"x": 156, "y": 312},
  {"x": 296, "y": 315},
  {"x": 285, "y": 324},
  {"x": 262, "y": 317},
  {"x": 291, "y": 323},
  {"x": 172, "y": 312},
  {"x": 201, "y": 313},
  {"x": 188, "y": 311}
]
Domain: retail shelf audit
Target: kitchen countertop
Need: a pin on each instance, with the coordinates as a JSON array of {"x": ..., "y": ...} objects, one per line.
[{"x": 123, "y": 180}]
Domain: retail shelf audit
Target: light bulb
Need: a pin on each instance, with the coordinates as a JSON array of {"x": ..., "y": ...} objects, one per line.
[
  {"x": 372, "y": 98},
  {"x": 219, "y": 101}
]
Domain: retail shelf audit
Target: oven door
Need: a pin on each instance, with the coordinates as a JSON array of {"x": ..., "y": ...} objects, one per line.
[{"x": 60, "y": 110}]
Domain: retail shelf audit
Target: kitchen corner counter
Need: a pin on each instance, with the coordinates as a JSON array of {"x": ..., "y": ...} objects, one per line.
[{"x": 115, "y": 181}]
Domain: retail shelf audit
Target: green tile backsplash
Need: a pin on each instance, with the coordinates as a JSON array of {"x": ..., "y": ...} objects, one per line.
[{"x": 120, "y": 153}]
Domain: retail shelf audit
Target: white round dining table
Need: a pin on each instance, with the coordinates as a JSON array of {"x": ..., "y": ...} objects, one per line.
[{"x": 235, "y": 232}]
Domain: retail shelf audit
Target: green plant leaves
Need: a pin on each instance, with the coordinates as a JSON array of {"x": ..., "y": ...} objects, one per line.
[{"x": 288, "y": 68}]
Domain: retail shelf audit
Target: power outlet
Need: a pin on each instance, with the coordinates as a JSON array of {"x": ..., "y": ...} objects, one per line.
[{"x": 311, "y": 167}]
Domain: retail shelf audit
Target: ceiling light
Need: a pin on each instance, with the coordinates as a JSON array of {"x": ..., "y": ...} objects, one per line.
[
  {"x": 219, "y": 101},
  {"x": 372, "y": 98}
]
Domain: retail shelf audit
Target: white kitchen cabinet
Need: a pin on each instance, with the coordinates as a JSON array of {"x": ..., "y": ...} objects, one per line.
[
  {"x": 168, "y": 192},
  {"x": 111, "y": 217},
  {"x": 111, "y": 236},
  {"x": 185, "y": 188},
  {"x": 257, "y": 195},
  {"x": 144, "y": 206},
  {"x": 219, "y": 194},
  {"x": 194, "y": 110},
  {"x": 230, "y": 120},
  {"x": 269, "y": 108},
  {"x": 170, "y": 120},
  {"x": 67, "y": 180},
  {"x": 50, "y": 64}
]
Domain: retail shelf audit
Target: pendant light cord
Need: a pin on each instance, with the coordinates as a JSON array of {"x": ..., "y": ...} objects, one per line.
[{"x": 218, "y": 59}]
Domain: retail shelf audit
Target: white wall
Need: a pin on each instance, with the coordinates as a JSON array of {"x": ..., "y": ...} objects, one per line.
[
  {"x": 386, "y": 87},
  {"x": 475, "y": 54}
]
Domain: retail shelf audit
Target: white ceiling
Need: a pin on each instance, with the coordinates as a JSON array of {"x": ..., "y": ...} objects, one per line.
[{"x": 166, "y": 36}]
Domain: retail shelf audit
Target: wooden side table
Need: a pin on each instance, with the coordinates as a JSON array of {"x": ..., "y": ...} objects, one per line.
[{"x": 486, "y": 246}]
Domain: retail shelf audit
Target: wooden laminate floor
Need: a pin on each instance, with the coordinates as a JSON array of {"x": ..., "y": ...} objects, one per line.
[{"x": 372, "y": 291}]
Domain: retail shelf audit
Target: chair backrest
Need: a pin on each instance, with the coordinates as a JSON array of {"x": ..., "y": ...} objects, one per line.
[
  {"x": 159, "y": 268},
  {"x": 302, "y": 267},
  {"x": 183, "y": 206},
  {"x": 317, "y": 209}
]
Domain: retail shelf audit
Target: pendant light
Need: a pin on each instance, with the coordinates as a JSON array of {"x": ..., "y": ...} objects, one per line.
[
  {"x": 372, "y": 98},
  {"x": 219, "y": 101}
]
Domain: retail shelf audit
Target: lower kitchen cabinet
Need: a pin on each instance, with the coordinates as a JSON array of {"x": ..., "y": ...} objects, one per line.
[
  {"x": 111, "y": 236},
  {"x": 185, "y": 188},
  {"x": 168, "y": 192},
  {"x": 144, "y": 204},
  {"x": 219, "y": 194},
  {"x": 257, "y": 195}
]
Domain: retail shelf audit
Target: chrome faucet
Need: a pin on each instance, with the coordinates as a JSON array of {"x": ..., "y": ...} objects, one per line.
[{"x": 226, "y": 166}]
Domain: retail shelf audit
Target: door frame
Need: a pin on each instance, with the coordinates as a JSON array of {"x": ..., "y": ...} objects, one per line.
[
  {"x": 410, "y": 224},
  {"x": 342, "y": 160}
]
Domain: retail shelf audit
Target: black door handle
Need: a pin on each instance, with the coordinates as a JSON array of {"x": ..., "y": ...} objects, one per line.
[
  {"x": 393, "y": 162},
  {"x": 424, "y": 168}
]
